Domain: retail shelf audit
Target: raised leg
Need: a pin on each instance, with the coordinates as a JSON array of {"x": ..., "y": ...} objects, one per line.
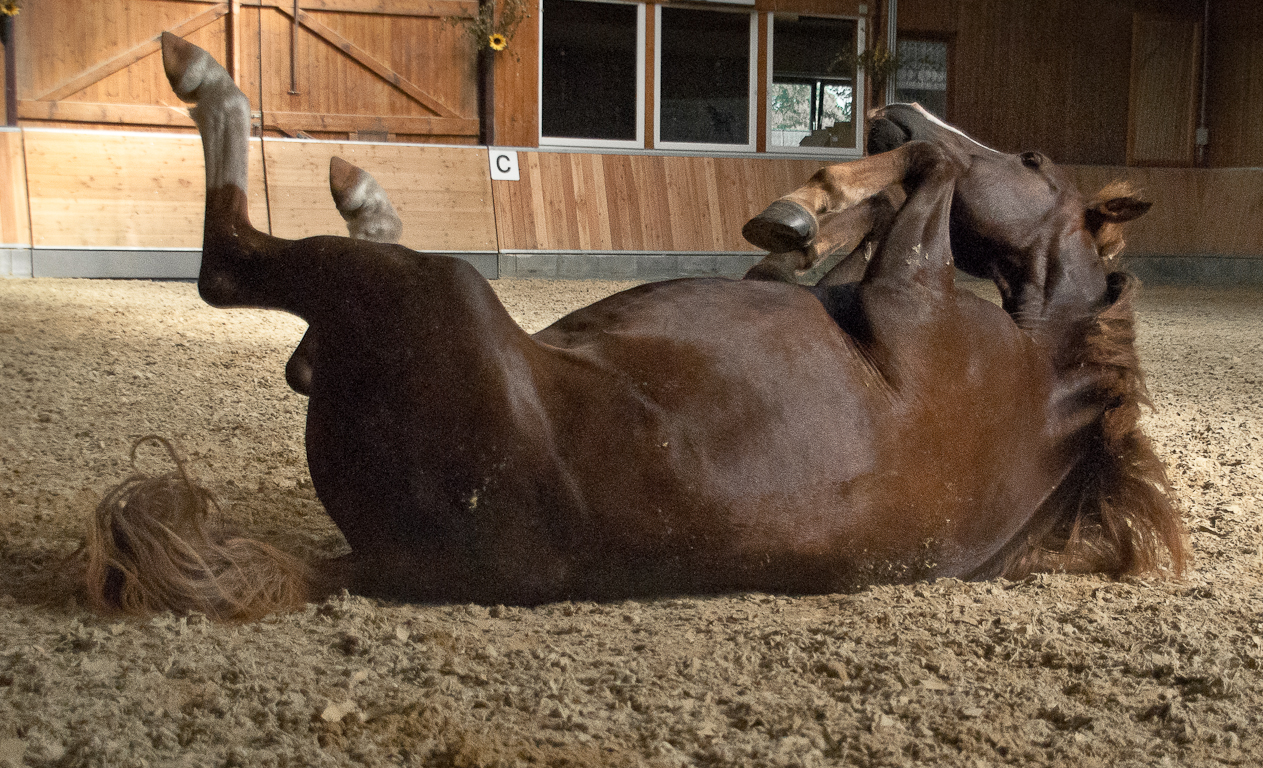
[
  {"x": 369, "y": 215},
  {"x": 843, "y": 232},
  {"x": 795, "y": 221},
  {"x": 363, "y": 203}
]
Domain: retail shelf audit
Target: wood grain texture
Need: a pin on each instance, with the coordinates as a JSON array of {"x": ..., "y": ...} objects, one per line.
[
  {"x": 517, "y": 85},
  {"x": 1196, "y": 211},
  {"x": 418, "y": 67},
  {"x": 1236, "y": 89},
  {"x": 443, "y": 194},
  {"x": 1165, "y": 85},
  {"x": 122, "y": 190},
  {"x": 108, "y": 55},
  {"x": 15, "y": 213},
  {"x": 573, "y": 201}
]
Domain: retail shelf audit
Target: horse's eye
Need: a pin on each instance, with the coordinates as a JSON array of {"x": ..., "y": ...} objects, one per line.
[{"x": 1032, "y": 159}]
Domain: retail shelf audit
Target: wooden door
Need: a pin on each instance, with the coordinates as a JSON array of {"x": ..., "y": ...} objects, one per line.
[{"x": 380, "y": 69}]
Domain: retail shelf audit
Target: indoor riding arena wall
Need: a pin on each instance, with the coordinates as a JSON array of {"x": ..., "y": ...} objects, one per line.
[{"x": 129, "y": 205}]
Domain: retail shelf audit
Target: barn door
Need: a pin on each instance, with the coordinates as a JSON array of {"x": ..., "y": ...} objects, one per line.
[
  {"x": 1165, "y": 85},
  {"x": 84, "y": 61},
  {"x": 379, "y": 69},
  {"x": 367, "y": 69}
]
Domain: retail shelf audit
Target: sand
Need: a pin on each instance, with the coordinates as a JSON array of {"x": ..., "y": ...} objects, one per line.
[{"x": 1055, "y": 670}]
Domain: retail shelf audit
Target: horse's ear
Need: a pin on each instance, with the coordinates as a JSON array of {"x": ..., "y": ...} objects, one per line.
[{"x": 1115, "y": 204}]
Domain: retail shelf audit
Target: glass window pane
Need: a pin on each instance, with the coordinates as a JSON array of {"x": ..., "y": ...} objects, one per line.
[
  {"x": 704, "y": 80},
  {"x": 812, "y": 99},
  {"x": 922, "y": 75},
  {"x": 589, "y": 70}
]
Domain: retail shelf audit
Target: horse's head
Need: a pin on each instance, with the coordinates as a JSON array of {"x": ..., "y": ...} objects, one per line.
[{"x": 1012, "y": 213}]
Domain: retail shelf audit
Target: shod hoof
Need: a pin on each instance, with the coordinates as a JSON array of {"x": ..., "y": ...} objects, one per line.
[{"x": 783, "y": 226}]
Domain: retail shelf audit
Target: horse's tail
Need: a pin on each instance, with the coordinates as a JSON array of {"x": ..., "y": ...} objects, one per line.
[
  {"x": 157, "y": 544},
  {"x": 1113, "y": 514}
]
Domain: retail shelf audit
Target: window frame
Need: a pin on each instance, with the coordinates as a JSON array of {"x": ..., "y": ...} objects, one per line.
[
  {"x": 641, "y": 44},
  {"x": 858, "y": 107},
  {"x": 752, "y": 89}
]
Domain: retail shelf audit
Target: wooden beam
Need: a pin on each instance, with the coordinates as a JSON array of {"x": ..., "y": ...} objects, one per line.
[
  {"x": 88, "y": 112},
  {"x": 292, "y": 122},
  {"x": 411, "y": 90},
  {"x": 423, "y": 8},
  {"x": 129, "y": 57},
  {"x": 234, "y": 41}
]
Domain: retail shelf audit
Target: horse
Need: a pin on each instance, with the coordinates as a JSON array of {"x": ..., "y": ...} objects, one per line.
[
  {"x": 708, "y": 435},
  {"x": 369, "y": 215}
]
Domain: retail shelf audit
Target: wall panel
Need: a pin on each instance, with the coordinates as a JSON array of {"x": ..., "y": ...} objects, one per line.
[
  {"x": 572, "y": 201},
  {"x": 1236, "y": 87},
  {"x": 443, "y": 194},
  {"x": 122, "y": 190},
  {"x": 1196, "y": 212},
  {"x": 1165, "y": 84},
  {"x": 15, "y": 214}
]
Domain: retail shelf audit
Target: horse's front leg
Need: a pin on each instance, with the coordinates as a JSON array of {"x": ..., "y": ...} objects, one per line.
[
  {"x": 796, "y": 221},
  {"x": 845, "y": 232}
]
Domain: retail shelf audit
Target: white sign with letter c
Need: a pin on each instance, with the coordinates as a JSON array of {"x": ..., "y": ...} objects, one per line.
[{"x": 504, "y": 165}]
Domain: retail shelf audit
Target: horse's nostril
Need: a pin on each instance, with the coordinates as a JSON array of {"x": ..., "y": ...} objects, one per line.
[{"x": 783, "y": 226}]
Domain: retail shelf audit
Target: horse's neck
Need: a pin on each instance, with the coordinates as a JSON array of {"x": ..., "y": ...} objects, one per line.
[{"x": 1060, "y": 285}]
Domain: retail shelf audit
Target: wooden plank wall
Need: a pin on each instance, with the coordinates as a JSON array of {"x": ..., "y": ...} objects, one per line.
[
  {"x": 122, "y": 190},
  {"x": 145, "y": 190},
  {"x": 390, "y": 67},
  {"x": 107, "y": 71},
  {"x": 443, "y": 194},
  {"x": 573, "y": 201},
  {"x": 1165, "y": 84},
  {"x": 1235, "y": 98},
  {"x": 15, "y": 213},
  {"x": 1203, "y": 211}
]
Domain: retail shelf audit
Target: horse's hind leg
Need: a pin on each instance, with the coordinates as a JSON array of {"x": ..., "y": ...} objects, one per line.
[
  {"x": 369, "y": 215},
  {"x": 234, "y": 253}
]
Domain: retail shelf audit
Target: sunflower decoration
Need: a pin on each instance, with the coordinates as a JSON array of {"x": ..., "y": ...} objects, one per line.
[
  {"x": 10, "y": 7},
  {"x": 493, "y": 26}
]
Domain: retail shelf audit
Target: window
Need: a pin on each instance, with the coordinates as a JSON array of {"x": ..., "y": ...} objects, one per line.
[
  {"x": 813, "y": 87},
  {"x": 592, "y": 73},
  {"x": 705, "y": 79},
  {"x": 922, "y": 75}
]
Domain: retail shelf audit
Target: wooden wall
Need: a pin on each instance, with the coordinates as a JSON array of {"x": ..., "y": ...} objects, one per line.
[
  {"x": 443, "y": 194},
  {"x": 121, "y": 190},
  {"x": 62, "y": 189},
  {"x": 571, "y": 201},
  {"x": 1235, "y": 98},
  {"x": 392, "y": 68},
  {"x": 1196, "y": 212}
]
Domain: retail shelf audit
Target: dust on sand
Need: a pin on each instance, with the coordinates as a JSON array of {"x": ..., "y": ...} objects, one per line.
[{"x": 1054, "y": 670}]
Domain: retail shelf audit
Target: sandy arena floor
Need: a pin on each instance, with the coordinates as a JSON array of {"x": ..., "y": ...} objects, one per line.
[{"x": 1055, "y": 670}]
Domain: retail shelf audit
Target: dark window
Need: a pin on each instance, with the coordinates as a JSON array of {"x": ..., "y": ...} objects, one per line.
[
  {"x": 589, "y": 70},
  {"x": 704, "y": 77}
]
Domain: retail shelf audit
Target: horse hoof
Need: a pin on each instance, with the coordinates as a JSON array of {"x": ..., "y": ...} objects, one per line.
[{"x": 783, "y": 226}]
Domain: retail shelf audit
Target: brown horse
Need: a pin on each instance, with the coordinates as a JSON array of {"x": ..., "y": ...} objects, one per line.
[{"x": 715, "y": 435}]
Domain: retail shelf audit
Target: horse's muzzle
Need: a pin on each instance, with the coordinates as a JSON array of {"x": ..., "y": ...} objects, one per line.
[{"x": 783, "y": 226}]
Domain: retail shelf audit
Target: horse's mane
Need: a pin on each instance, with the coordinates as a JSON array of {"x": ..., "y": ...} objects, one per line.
[{"x": 1113, "y": 513}]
